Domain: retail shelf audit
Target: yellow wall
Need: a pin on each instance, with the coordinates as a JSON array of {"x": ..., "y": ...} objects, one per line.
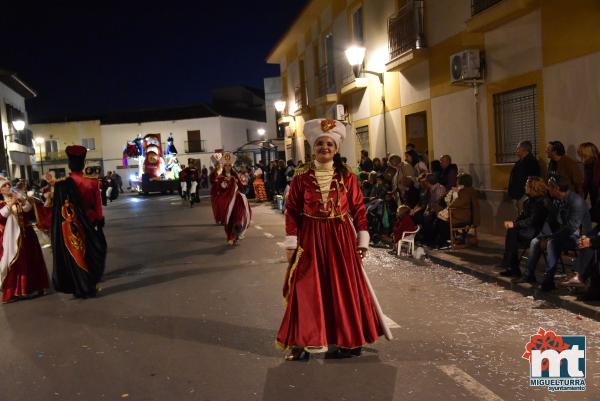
[
  {"x": 501, "y": 172},
  {"x": 70, "y": 133},
  {"x": 570, "y": 29}
]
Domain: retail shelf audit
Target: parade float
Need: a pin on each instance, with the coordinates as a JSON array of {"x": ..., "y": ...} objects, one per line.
[{"x": 157, "y": 172}]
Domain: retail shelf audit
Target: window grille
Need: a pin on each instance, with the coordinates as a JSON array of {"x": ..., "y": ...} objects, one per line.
[
  {"x": 515, "y": 120},
  {"x": 362, "y": 133},
  {"x": 89, "y": 143}
]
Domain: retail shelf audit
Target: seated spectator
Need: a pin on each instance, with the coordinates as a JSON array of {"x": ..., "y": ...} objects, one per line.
[
  {"x": 430, "y": 204},
  {"x": 413, "y": 158},
  {"x": 584, "y": 266},
  {"x": 436, "y": 169},
  {"x": 365, "y": 186},
  {"x": 404, "y": 223},
  {"x": 409, "y": 194},
  {"x": 561, "y": 165},
  {"x": 526, "y": 227},
  {"x": 449, "y": 172},
  {"x": 462, "y": 206},
  {"x": 588, "y": 248},
  {"x": 366, "y": 164},
  {"x": 568, "y": 219},
  {"x": 380, "y": 188},
  {"x": 377, "y": 165}
]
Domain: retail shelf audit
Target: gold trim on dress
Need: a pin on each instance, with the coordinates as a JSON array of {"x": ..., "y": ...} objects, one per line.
[{"x": 291, "y": 274}]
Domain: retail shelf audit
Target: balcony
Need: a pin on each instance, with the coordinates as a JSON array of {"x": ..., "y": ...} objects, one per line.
[
  {"x": 406, "y": 36},
  {"x": 195, "y": 146},
  {"x": 301, "y": 99},
  {"x": 326, "y": 85},
  {"x": 489, "y": 14},
  {"x": 52, "y": 156},
  {"x": 351, "y": 84}
]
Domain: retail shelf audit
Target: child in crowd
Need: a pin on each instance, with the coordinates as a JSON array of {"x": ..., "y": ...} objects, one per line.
[{"x": 404, "y": 223}]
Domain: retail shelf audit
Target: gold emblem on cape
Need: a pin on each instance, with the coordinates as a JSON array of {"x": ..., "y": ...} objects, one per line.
[
  {"x": 73, "y": 235},
  {"x": 327, "y": 125}
]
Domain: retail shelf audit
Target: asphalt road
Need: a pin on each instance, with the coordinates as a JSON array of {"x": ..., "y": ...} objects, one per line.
[{"x": 182, "y": 316}]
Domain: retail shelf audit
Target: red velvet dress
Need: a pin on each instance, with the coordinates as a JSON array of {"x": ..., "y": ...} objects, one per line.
[
  {"x": 329, "y": 298},
  {"x": 237, "y": 213},
  {"x": 24, "y": 271},
  {"x": 219, "y": 206}
]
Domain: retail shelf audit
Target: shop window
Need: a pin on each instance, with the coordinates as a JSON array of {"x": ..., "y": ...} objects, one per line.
[{"x": 515, "y": 120}]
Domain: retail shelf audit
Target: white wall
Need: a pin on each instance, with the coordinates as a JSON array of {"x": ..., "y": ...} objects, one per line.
[
  {"x": 115, "y": 136},
  {"x": 414, "y": 84},
  {"x": 272, "y": 94},
  {"x": 234, "y": 132},
  {"x": 457, "y": 133},
  {"x": 572, "y": 101}
]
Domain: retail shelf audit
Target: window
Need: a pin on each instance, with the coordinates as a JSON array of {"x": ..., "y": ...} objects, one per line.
[
  {"x": 194, "y": 142},
  {"x": 362, "y": 135},
  {"x": 330, "y": 63},
  {"x": 357, "y": 26},
  {"x": 515, "y": 120},
  {"x": 51, "y": 146},
  {"x": 89, "y": 143}
]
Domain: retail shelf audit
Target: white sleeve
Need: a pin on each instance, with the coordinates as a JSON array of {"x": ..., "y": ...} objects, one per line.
[
  {"x": 27, "y": 206},
  {"x": 291, "y": 242},
  {"x": 363, "y": 239},
  {"x": 5, "y": 211}
]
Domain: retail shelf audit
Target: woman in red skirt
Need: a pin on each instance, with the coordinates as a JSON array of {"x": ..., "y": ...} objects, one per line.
[
  {"x": 218, "y": 206},
  {"x": 238, "y": 213},
  {"x": 22, "y": 267},
  {"x": 330, "y": 301}
]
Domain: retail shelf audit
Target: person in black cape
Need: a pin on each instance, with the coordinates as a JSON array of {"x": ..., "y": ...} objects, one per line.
[{"x": 78, "y": 242}]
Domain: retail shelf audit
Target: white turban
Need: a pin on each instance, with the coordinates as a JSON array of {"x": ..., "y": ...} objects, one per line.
[{"x": 314, "y": 129}]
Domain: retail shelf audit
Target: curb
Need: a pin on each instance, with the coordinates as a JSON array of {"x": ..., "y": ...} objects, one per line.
[{"x": 568, "y": 302}]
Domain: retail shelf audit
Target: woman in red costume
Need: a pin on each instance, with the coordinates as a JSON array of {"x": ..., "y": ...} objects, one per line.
[
  {"x": 238, "y": 213},
  {"x": 259, "y": 185},
  {"x": 330, "y": 301},
  {"x": 22, "y": 267},
  {"x": 219, "y": 205}
]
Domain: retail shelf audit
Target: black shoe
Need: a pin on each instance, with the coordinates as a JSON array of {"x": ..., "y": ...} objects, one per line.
[
  {"x": 297, "y": 354},
  {"x": 548, "y": 285},
  {"x": 510, "y": 273},
  {"x": 348, "y": 352},
  {"x": 527, "y": 279}
]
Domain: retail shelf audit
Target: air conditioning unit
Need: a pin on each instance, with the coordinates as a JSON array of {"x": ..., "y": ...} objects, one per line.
[
  {"x": 465, "y": 66},
  {"x": 340, "y": 112}
]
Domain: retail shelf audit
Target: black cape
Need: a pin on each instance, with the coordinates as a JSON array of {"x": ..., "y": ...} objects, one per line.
[{"x": 68, "y": 277}]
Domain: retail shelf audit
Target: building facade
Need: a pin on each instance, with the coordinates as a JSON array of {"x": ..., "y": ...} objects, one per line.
[
  {"x": 17, "y": 144},
  {"x": 467, "y": 78},
  {"x": 198, "y": 131}
]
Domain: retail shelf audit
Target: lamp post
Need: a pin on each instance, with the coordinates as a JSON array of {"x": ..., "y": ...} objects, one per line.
[
  {"x": 355, "y": 56},
  {"x": 40, "y": 141}
]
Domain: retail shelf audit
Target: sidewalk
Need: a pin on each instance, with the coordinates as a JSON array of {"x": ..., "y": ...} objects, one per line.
[{"x": 480, "y": 261}]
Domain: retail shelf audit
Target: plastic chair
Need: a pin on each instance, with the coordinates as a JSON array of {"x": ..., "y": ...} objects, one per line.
[{"x": 408, "y": 238}]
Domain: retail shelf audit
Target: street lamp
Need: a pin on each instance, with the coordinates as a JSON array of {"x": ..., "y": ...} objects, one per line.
[
  {"x": 261, "y": 131},
  {"x": 40, "y": 141},
  {"x": 280, "y": 106},
  {"x": 356, "y": 56},
  {"x": 19, "y": 124}
]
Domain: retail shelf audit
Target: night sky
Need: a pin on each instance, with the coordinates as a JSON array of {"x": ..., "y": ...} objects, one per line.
[{"x": 95, "y": 57}]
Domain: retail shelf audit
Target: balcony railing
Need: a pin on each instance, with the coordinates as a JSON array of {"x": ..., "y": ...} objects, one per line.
[
  {"x": 301, "y": 97},
  {"x": 195, "y": 146},
  {"x": 53, "y": 156},
  {"x": 478, "y": 6},
  {"x": 406, "y": 30},
  {"x": 326, "y": 80}
]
